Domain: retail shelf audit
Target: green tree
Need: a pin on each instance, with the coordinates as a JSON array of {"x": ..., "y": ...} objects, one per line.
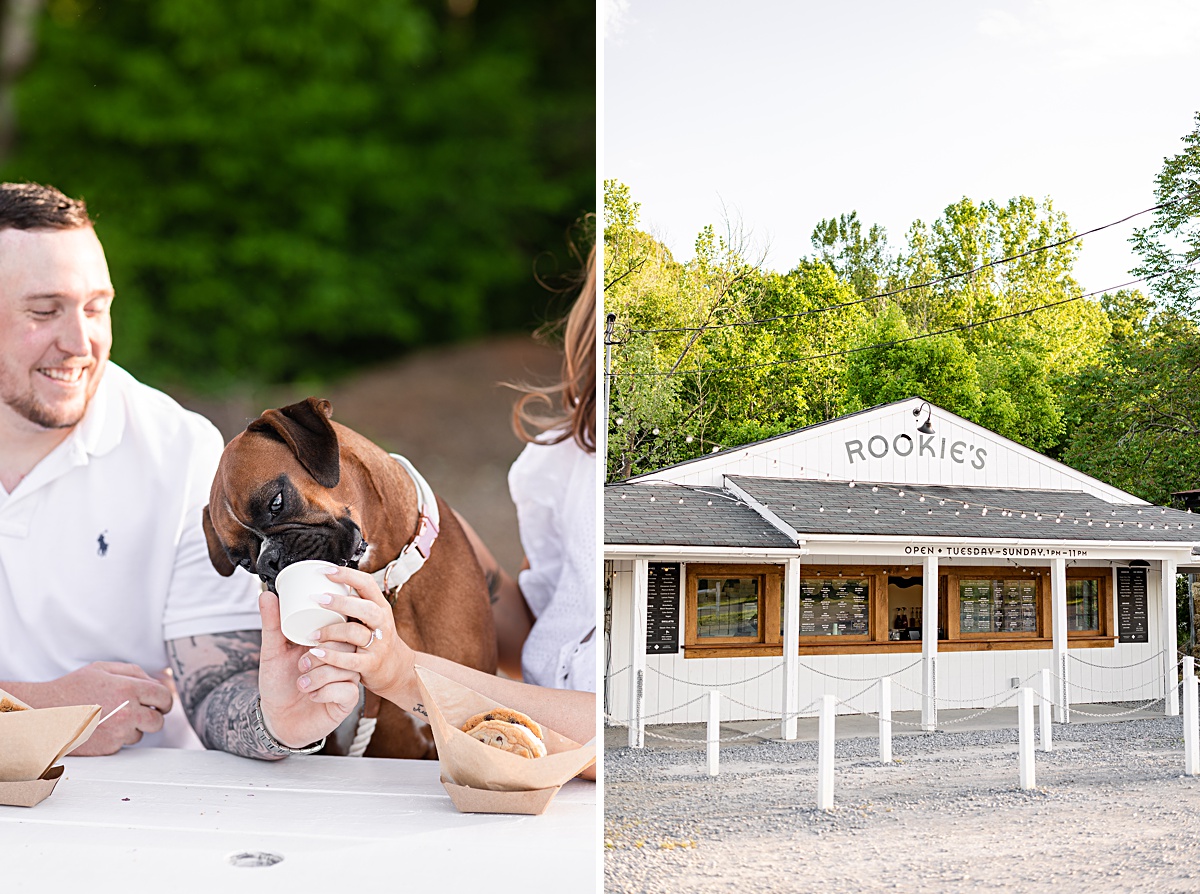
[
  {"x": 1135, "y": 413},
  {"x": 1169, "y": 247},
  {"x": 861, "y": 260}
]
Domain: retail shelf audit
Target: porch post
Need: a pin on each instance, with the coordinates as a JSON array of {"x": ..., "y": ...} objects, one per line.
[
  {"x": 637, "y": 653},
  {"x": 791, "y": 647},
  {"x": 1170, "y": 643},
  {"x": 929, "y": 643},
  {"x": 1058, "y": 628}
]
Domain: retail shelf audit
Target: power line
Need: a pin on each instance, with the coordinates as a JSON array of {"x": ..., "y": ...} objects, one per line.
[
  {"x": 932, "y": 282},
  {"x": 889, "y": 344}
]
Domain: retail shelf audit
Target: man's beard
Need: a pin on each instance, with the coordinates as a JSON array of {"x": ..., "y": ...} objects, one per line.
[
  {"x": 50, "y": 415},
  {"x": 45, "y": 416}
]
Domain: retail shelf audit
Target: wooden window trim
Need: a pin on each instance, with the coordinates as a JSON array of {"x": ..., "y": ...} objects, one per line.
[
  {"x": 1107, "y": 628},
  {"x": 770, "y": 605},
  {"x": 872, "y": 574},
  {"x": 957, "y": 573}
]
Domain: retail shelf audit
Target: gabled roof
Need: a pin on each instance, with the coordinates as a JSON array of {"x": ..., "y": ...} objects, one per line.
[{"x": 883, "y": 445}]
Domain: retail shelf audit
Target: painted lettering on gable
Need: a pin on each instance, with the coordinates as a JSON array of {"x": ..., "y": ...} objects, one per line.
[{"x": 902, "y": 445}]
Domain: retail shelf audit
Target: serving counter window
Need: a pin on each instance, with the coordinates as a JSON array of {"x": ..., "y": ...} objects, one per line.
[
  {"x": 737, "y": 610},
  {"x": 835, "y": 607},
  {"x": 733, "y": 609},
  {"x": 1000, "y": 605}
]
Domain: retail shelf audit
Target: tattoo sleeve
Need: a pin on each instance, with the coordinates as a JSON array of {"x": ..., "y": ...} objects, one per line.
[{"x": 217, "y": 679}]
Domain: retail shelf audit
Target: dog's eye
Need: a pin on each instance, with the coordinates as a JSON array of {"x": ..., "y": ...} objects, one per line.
[{"x": 277, "y": 503}]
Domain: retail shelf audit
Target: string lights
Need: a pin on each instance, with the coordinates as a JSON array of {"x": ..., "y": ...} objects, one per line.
[{"x": 958, "y": 506}]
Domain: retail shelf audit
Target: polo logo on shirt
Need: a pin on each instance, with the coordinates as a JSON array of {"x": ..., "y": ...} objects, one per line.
[{"x": 102, "y": 545}]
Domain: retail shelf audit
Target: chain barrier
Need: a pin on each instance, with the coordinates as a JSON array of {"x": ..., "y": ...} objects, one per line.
[
  {"x": 865, "y": 713},
  {"x": 859, "y": 679},
  {"x": 1002, "y": 697},
  {"x": 971, "y": 701},
  {"x": 612, "y": 675},
  {"x": 755, "y": 733},
  {"x": 646, "y": 717},
  {"x": 1154, "y": 657},
  {"x": 715, "y": 685},
  {"x": 1143, "y": 707},
  {"x": 1077, "y": 685}
]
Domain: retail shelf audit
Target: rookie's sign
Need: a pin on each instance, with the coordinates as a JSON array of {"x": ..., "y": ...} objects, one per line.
[{"x": 929, "y": 446}]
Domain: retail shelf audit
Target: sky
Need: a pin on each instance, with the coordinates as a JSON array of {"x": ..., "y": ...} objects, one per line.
[{"x": 776, "y": 114}]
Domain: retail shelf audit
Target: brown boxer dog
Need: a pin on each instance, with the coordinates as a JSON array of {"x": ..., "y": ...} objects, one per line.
[{"x": 297, "y": 485}]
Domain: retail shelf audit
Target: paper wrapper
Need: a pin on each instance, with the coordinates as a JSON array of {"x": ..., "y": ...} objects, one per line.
[
  {"x": 33, "y": 741},
  {"x": 482, "y": 779}
]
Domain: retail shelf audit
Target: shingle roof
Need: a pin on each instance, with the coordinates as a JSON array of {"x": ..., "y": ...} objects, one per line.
[
  {"x": 1064, "y": 515},
  {"x": 675, "y": 515}
]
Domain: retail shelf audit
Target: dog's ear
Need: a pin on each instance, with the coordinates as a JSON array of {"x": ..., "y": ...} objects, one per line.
[
  {"x": 216, "y": 551},
  {"x": 305, "y": 428}
]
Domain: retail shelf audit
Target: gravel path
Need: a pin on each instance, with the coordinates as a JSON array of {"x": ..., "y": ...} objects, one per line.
[{"x": 1112, "y": 812}]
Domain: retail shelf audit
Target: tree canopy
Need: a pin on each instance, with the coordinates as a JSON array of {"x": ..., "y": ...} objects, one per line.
[{"x": 978, "y": 312}]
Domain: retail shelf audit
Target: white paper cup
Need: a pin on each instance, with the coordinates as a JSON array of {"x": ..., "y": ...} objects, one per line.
[{"x": 298, "y": 586}]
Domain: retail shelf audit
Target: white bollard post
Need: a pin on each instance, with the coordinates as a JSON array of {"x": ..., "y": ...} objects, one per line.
[
  {"x": 714, "y": 732},
  {"x": 885, "y": 720},
  {"x": 1045, "y": 704},
  {"x": 825, "y": 754},
  {"x": 1191, "y": 710},
  {"x": 1025, "y": 736}
]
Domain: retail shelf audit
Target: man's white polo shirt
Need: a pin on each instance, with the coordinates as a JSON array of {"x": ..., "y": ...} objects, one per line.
[{"x": 102, "y": 551}]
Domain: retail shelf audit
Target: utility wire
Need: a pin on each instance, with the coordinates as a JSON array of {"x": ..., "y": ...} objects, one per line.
[
  {"x": 932, "y": 282},
  {"x": 889, "y": 344}
]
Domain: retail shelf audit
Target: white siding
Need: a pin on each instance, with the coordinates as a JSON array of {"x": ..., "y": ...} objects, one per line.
[{"x": 753, "y": 687}]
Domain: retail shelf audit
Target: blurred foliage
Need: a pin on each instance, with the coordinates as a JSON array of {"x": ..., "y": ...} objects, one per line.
[{"x": 295, "y": 189}]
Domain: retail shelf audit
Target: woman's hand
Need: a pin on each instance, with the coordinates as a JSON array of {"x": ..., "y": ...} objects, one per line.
[{"x": 380, "y": 657}]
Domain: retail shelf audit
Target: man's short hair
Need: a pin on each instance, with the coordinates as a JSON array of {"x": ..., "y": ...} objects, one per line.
[{"x": 31, "y": 206}]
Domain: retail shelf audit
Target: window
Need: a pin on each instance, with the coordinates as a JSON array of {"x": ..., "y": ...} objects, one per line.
[
  {"x": 1083, "y": 605},
  {"x": 733, "y": 609},
  {"x": 1001, "y": 605},
  {"x": 727, "y": 607},
  {"x": 835, "y": 606}
]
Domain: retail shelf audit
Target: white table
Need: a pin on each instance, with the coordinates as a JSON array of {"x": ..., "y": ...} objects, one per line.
[{"x": 171, "y": 820}]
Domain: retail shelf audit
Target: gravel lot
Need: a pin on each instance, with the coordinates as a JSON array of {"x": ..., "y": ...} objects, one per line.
[{"x": 1112, "y": 812}]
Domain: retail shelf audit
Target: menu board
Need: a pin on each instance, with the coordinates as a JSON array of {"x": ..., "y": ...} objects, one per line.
[
  {"x": 997, "y": 606},
  {"x": 835, "y": 607},
  {"x": 1132, "y": 618},
  {"x": 662, "y": 608}
]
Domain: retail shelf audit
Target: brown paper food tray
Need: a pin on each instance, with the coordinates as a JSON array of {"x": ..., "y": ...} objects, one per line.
[
  {"x": 479, "y": 800},
  {"x": 31, "y": 792},
  {"x": 480, "y": 779}
]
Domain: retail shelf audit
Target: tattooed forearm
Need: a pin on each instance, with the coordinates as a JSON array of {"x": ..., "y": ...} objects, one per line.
[{"x": 217, "y": 679}]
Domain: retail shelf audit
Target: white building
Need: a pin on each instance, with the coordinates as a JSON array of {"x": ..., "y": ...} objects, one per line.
[{"x": 805, "y": 564}]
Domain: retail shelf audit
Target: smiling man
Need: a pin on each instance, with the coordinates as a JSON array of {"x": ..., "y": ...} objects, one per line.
[{"x": 105, "y": 580}]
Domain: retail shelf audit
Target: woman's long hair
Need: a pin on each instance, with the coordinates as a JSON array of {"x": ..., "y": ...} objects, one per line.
[{"x": 573, "y": 414}]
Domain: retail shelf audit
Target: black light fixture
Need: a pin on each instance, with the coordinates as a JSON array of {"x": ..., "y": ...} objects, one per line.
[{"x": 927, "y": 428}]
